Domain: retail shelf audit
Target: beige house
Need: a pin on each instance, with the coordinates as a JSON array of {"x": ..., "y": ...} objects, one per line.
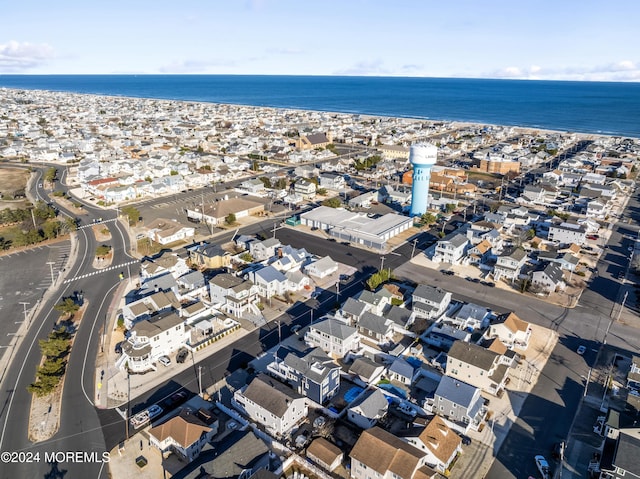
[
  {"x": 184, "y": 435},
  {"x": 478, "y": 366},
  {"x": 164, "y": 231},
  {"x": 324, "y": 453},
  {"x": 380, "y": 454},
  {"x": 511, "y": 330},
  {"x": 439, "y": 443},
  {"x": 216, "y": 213}
]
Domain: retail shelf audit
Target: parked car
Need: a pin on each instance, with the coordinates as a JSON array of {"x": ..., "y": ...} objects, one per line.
[
  {"x": 543, "y": 466},
  {"x": 175, "y": 399},
  {"x": 182, "y": 356},
  {"x": 164, "y": 360},
  {"x": 581, "y": 350}
]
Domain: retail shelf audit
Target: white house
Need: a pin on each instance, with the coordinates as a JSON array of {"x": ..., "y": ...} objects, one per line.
[
  {"x": 333, "y": 337},
  {"x": 151, "y": 338},
  {"x": 511, "y": 331},
  {"x": 275, "y": 406},
  {"x": 451, "y": 250},
  {"x": 322, "y": 267}
]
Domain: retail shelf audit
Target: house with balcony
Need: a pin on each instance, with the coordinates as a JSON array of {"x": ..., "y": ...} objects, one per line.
[
  {"x": 375, "y": 302},
  {"x": 477, "y": 366},
  {"x": 509, "y": 264},
  {"x": 351, "y": 311},
  {"x": 272, "y": 404},
  {"x": 233, "y": 295},
  {"x": 512, "y": 331},
  {"x": 151, "y": 338},
  {"x": 451, "y": 249},
  {"x": 149, "y": 306},
  {"x": 442, "y": 336},
  {"x": 269, "y": 281},
  {"x": 548, "y": 277},
  {"x": 311, "y": 373},
  {"x": 305, "y": 189},
  {"x": 334, "y": 337},
  {"x": 471, "y": 317},
  {"x": 430, "y": 301}
]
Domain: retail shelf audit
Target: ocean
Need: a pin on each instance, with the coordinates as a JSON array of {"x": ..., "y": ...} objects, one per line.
[{"x": 606, "y": 108}]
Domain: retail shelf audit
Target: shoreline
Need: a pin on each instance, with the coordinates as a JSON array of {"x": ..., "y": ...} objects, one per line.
[{"x": 458, "y": 123}]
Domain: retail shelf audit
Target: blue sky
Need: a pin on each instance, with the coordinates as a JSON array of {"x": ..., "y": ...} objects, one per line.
[{"x": 556, "y": 40}]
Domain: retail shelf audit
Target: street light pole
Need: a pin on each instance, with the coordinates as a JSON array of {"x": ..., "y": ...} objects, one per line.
[
  {"x": 24, "y": 304},
  {"x": 51, "y": 263},
  {"x": 381, "y": 263}
]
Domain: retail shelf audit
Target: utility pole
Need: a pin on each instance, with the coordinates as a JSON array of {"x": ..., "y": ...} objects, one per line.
[
  {"x": 200, "y": 380},
  {"x": 413, "y": 251},
  {"x": 51, "y": 263},
  {"x": 381, "y": 263}
]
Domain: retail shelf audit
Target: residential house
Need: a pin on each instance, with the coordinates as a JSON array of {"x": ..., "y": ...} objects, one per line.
[
  {"x": 375, "y": 327},
  {"x": 430, "y": 301},
  {"x": 297, "y": 281},
  {"x": 332, "y": 182},
  {"x": 566, "y": 261},
  {"x": 333, "y": 337},
  {"x": 375, "y": 302},
  {"x": 164, "y": 231},
  {"x": 253, "y": 187},
  {"x": 311, "y": 373},
  {"x": 510, "y": 330},
  {"x": 209, "y": 256},
  {"x": 368, "y": 409},
  {"x": 275, "y": 406},
  {"x": 269, "y": 281},
  {"x": 263, "y": 250},
  {"x": 234, "y": 295},
  {"x": 451, "y": 249},
  {"x": 325, "y": 454},
  {"x": 633, "y": 376},
  {"x": 305, "y": 189},
  {"x": 380, "y": 454},
  {"x": 458, "y": 402},
  {"x": 547, "y": 277},
  {"x": 477, "y": 366},
  {"x": 401, "y": 371},
  {"x": 472, "y": 317},
  {"x": 148, "y": 306},
  {"x": 184, "y": 435},
  {"x": 509, "y": 264},
  {"x": 151, "y": 338},
  {"x": 169, "y": 262},
  {"x": 351, "y": 311},
  {"x": 365, "y": 369},
  {"x": 565, "y": 233},
  {"x": 288, "y": 258},
  {"x": 439, "y": 443},
  {"x": 442, "y": 336},
  {"x": 322, "y": 267},
  {"x": 241, "y": 452},
  {"x": 621, "y": 456},
  {"x": 480, "y": 253}
]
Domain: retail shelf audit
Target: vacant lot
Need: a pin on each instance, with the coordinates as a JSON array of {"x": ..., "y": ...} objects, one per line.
[{"x": 12, "y": 181}]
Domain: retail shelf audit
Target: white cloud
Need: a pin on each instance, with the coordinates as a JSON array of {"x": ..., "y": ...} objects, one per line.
[
  {"x": 19, "y": 56},
  {"x": 194, "y": 66},
  {"x": 374, "y": 67},
  {"x": 625, "y": 70}
]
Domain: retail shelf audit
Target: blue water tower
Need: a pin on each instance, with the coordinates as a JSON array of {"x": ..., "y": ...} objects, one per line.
[{"x": 422, "y": 156}]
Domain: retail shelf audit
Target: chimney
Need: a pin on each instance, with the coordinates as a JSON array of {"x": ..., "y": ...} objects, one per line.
[{"x": 156, "y": 288}]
